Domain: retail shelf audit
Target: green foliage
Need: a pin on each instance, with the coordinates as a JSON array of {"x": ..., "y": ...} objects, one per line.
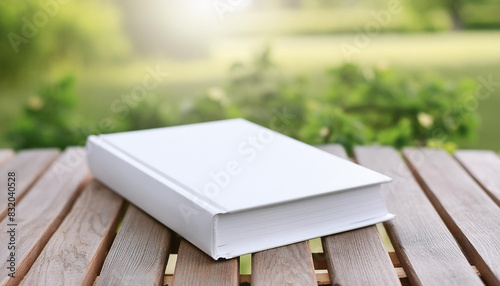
[
  {"x": 255, "y": 91},
  {"x": 358, "y": 106},
  {"x": 149, "y": 113},
  {"x": 378, "y": 105},
  {"x": 40, "y": 35},
  {"x": 468, "y": 14},
  {"x": 260, "y": 93},
  {"x": 157, "y": 111},
  {"x": 213, "y": 105},
  {"x": 484, "y": 16},
  {"x": 48, "y": 119}
]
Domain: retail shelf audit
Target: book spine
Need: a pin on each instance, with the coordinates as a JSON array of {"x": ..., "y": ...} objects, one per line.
[{"x": 152, "y": 193}]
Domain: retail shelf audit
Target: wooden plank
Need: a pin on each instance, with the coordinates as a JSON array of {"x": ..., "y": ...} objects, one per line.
[
  {"x": 245, "y": 279},
  {"x": 470, "y": 214},
  {"x": 42, "y": 210},
  {"x": 334, "y": 149},
  {"x": 28, "y": 165},
  {"x": 194, "y": 267},
  {"x": 5, "y": 155},
  {"x": 321, "y": 277},
  {"x": 286, "y": 265},
  {"x": 425, "y": 247},
  {"x": 484, "y": 166},
  {"x": 75, "y": 253},
  {"x": 139, "y": 253},
  {"x": 357, "y": 257}
]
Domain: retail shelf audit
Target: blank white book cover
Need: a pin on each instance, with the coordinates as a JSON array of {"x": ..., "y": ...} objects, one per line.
[
  {"x": 236, "y": 164},
  {"x": 185, "y": 176}
]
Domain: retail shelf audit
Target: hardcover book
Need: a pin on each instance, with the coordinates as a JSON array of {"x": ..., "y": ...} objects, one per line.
[{"x": 232, "y": 187}]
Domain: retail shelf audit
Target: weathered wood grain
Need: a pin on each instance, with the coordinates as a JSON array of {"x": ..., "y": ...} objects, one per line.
[
  {"x": 28, "y": 165},
  {"x": 139, "y": 253},
  {"x": 321, "y": 277},
  {"x": 245, "y": 279},
  {"x": 484, "y": 166},
  {"x": 357, "y": 257},
  {"x": 75, "y": 253},
  {"x": 197, "y": 268},
  {"x": 287, "y": 265},
  {"x": 42, "y": 210},
  {"x": 470, "y": 214},
  {"x": 5, "y": 155},
  {"x": 425, "y": 247}
]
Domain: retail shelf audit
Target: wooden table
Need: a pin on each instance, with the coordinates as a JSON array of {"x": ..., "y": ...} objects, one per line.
[{"x": 447, "y": 230}]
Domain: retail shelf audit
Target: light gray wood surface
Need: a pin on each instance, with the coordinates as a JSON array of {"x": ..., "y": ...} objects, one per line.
[
  {"x": 484, "y": 166},
  {"x": 5, "y": 155},
  {"x": 470, "y": 214},
  {"x": 63, "y": 234},
  {"x": 426, "y": 249},
  {"x": 194, "y": 267},
  {"x": 357, "y": 257},
  {"x": 75, "y": 253},
  {"x": 286, "y": 265},
  {"x": 139, "y": 252},
  {"x": 42, "y": 210},
  {"x": 28, "y": 166}
]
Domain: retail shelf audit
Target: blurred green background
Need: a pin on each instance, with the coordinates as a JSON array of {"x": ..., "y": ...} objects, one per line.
[
  {"x": 349, "y": 72},
  {"x": 392, "y": 72}
]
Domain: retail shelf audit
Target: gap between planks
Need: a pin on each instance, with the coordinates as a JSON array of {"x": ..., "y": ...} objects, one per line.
[
  {"x": 44, "y": 208},
  {"x": 426, "y": 248},
  {"x": 484, "y": 167},
  {"x": 323, "y": 278},
  {"x": 358, "y": 256},
  {"x": 320, "y": 263},
  {"x": 29, "y": 166},
  {"x": 75, "y": 253},
  {"x": 139, "y": 251},
  {"x": 470, "y": 214}
]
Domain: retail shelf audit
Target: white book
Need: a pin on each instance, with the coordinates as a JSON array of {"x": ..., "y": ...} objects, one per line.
[{"x": 232, "y": 187}]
